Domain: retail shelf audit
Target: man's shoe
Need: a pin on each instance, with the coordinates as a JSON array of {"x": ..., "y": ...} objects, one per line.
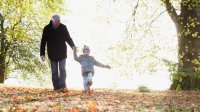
[{"x": 64, "y": 90}]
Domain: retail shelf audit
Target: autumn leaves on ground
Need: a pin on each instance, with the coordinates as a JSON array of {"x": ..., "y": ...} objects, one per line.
[{"x": 101, "y": 100}]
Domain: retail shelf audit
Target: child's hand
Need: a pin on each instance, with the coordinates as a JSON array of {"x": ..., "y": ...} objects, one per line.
[{"x": 107, "y": 66}]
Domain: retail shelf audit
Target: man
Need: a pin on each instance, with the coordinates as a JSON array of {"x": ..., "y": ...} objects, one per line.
[{"x": 55, "y": 35}]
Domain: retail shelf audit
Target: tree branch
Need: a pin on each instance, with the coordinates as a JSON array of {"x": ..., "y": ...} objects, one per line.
[
  {"x": 150, "y": 24},
  {"x": 135, "y": 11},
  {"x": 19, "y": 21},
  {"x": 135, "y": 8},
  {"x": 156, "y": 18},
  {"x": 171, "y": 11}
]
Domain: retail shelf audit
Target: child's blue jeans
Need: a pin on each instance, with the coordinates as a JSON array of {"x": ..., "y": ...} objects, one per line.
[{"x": 86, "y": 79}]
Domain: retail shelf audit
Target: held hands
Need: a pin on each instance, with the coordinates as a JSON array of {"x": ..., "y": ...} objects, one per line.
[{"x": 42, "y": 58}]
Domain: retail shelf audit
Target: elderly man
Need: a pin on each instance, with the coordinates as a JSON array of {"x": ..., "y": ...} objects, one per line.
[{"x": 55, "y": 35}]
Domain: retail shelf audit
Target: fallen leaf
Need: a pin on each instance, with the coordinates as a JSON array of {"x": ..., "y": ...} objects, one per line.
[{"x": 92, "y": 106}]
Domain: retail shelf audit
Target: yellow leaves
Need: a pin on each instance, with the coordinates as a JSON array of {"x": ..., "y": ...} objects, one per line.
[
  {"x": 74, "y": 109},
  {"x": 57, "y": 107},
  {"x": 19, "y": 98},
  {"x": 193, "y": 24},
  {"x": 196, "y": 62},
  {"x": 101, "y": 101},
  {"x": 195, "y": 34},
  {"x": 23, "y": 98},
  {"x": 18, "y": 108},
  {"x": 117, "y": 101},
  {"x": 180, "y": 56},
  {"x": 29, "y": 98},
  {"x": 196, "y": 69},
  {"x": 179, "y": 35},
  {"x": 92, "y": 106},
  {"x": 187, "y": 32},
  {"x": 35, "y": 108}
]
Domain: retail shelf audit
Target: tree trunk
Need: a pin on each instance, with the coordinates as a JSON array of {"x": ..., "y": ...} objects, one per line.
[
  {"x": 2, "y": 74},
  {"x": 3, "y": 50},
  {"x": 188, "y": 30}
]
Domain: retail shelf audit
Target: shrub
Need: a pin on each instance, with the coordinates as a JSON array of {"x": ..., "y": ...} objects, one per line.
[{"x": 143, "y": 89}]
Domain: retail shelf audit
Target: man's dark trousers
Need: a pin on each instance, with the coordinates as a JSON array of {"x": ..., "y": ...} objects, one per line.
[{"x": 58, "y": 75}]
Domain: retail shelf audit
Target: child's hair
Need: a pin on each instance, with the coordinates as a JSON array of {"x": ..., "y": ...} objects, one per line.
[{"x": 85, "y": 47}]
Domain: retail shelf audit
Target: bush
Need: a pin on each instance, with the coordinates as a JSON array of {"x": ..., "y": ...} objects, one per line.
[{"x": 143, "y": 89}]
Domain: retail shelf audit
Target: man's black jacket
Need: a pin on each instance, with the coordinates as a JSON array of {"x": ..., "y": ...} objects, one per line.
[{"x": 56, "y": 42}]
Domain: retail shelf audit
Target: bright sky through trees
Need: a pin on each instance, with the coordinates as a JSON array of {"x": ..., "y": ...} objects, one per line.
[{"x": 101, "y": 25}]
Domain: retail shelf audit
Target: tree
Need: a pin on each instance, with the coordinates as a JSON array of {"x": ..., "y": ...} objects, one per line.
[
  {"x": 186, "y": 17},
  {"x": 21, "y": 23},
  {"x": 187, "y": 24}
]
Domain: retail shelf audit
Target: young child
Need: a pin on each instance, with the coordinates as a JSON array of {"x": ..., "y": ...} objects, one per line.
[{"x": 87, "y": 66}]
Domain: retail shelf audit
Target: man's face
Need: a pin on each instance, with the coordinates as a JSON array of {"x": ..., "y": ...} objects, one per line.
[
  {"x": 56, "y": 23},
  {"x": 86, "y": 52}
]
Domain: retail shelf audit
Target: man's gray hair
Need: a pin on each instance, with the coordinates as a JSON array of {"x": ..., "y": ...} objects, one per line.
[{"x": 55, "y": 17}]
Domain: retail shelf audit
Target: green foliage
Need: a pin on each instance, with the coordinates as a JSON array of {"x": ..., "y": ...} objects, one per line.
[
  {"x": 190, "y": 4},
  {"x": 183, "y": 80},
  {"x": 143, "y": 89},
  {"x": 23, "y": 21}
]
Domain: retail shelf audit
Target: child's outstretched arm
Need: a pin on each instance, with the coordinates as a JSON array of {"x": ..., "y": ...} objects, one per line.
[
  {"x": 101, "y": 65},
  {"x": 75, "y": 54}
]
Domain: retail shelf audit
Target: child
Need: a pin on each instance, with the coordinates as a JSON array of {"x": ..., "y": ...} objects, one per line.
[{"x": 87, "y": 65}]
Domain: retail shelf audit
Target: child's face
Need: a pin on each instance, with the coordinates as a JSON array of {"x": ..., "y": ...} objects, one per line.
[{"x": 86, "y": 52}]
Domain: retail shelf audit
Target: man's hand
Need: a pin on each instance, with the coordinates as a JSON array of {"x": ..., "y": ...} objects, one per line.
[
  {"x": 42, "y": 58},
  {"x": 107, "y": 66}
]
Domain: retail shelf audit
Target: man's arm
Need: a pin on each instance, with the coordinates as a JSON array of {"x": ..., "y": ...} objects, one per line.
[
  {"x": 100, "y": 64},
  {"x": 43, "y": 43},
  {"x": 68, "y": 38},
  {"x": 75, "y": 55}
]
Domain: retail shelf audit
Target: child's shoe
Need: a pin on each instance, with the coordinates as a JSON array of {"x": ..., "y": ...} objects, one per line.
[{"x": 89, "y": 83}]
